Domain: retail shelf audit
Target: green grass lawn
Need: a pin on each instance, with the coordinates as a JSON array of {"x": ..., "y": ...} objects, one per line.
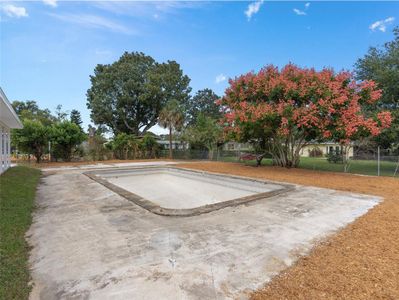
[
  {"x": 17, "y": 194},
  {"x": 365, "y": 167}
]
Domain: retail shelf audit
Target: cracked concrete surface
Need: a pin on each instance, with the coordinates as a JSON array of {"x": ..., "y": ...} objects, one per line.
[{"x": 90, "y": 243}]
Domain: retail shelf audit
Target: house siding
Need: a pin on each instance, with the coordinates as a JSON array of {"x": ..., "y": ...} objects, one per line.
[{"x": 5, "y": 147}]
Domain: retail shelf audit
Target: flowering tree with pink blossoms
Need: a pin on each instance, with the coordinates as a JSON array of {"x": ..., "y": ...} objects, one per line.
[{"x": 284, "y": 110}]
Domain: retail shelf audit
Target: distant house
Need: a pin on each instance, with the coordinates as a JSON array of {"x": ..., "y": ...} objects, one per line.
[
  {"x": 323, "y": 149},
  {"x": 312, "y": 149},
  {"x": 163, "y": 142},
  {"x": 235, "y": 146},
  {"x": 8, "y": 120}
]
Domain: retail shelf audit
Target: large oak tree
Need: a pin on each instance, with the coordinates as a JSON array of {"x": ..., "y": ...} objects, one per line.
[{"x": 128, "y": 95}]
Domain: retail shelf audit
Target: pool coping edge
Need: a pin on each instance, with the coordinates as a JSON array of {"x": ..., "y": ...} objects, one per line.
[{"x": 187, "y": 212}]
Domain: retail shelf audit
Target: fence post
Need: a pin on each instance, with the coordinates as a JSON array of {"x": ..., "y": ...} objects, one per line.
[
  {"x": 378, "y": 163},
  {"x": 49, "y": 151}
]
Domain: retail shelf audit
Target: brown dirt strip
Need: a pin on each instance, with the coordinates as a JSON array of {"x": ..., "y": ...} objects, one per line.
[{"x": 359, "y": 262}]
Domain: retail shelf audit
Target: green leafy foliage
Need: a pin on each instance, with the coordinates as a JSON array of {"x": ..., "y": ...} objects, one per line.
[
  {"x": 335, "y": 157},
  {"x": 60, "y": 114},
  {"x": 66, "y": 136},
  {"x": 128, "y": 95},
  {"x": 33, "y": 138},
  {"x": 149, "y": 146},
  {"x": 128, "y": 146},
  {"x": 382, "y": 66},
  {"x": 203, "y": 103},
  {"x": 31, "y": 111},
  {"x": 97, "y": 146},
  {"x": 171, "y": 117},
  {"x": 123, "y": 144},
  {"x": 205, "y": 133},
  {"x": 76, "y": 118}
]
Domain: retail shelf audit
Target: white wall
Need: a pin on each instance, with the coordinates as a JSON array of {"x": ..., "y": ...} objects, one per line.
[
  {"x": 325, "y": 148},
  {"x": 5, "y": 148}
]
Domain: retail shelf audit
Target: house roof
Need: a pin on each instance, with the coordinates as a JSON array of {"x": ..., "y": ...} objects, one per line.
[{"x": 7, "y": 114}]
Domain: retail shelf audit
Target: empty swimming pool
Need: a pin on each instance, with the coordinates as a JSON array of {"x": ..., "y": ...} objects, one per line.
[{"x": 181, "y": 192}]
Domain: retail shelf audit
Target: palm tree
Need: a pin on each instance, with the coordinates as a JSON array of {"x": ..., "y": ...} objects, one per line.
[{"x": 171, "y": 117}]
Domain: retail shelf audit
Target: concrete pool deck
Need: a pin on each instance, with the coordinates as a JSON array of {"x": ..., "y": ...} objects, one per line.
[{"x": 90, "y": 243}]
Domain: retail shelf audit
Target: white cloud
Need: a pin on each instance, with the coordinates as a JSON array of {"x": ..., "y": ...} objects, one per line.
[
  {"x": 15, "y": 11},
  {"x": 220, "y": 78},
  {"x": 93, "y": 21},
  {"x": 253, "y": 8},
  {"x": 299, "y": 12},
  {"x": 52, "y": 3},
  {"x": 302, "y": 12},
  {"x": 382, "y": 24},
  {"x": 146, "y": 8}
]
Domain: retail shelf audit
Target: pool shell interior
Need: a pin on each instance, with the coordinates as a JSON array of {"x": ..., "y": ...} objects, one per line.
[{"x": 226, "y": 190}]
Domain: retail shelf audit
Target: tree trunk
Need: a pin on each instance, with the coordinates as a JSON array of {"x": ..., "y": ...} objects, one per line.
[
  {"x": 287, "y": 153},
  {"x": 68, "y": 153},
  {"x": 210, "y": 153},
  {"x": 259, "y": 159},
  {"x": 170, "y": 143},
  {"x": 38, "y": 155}
]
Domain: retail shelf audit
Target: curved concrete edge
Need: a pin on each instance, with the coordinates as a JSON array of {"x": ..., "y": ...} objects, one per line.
[{"x": 156, "y": 209}]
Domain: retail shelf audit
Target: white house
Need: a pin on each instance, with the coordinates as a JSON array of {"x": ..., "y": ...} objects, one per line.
[
  {"x": 8, "y": 120},
  {"x": 322, "y": 149}
]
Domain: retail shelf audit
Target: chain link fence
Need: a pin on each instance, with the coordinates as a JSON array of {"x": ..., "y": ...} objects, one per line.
[{"x": 372, "y": 162}]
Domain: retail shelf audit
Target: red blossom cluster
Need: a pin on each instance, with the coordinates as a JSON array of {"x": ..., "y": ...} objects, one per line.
[{"x": 322, "y": 103}]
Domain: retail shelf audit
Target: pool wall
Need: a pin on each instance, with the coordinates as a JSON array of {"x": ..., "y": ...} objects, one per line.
[{"x": 100, "y": 177}]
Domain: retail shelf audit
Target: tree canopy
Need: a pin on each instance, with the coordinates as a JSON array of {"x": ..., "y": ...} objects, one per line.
[
  {"x": 75, "y": 117},
  {"x": 65, "y": 136},
  {"x": 290, "y": 107},
  {"x": 32, "y": 138},
  {"x": 204, "y": 133},
  {"x": 128, "y": 95},
  {"x": 382, "y": 66},
  {"x": 41, "y": 127},
  {"x": 203, "y": 102},
  {"x": 30, "y": 110}
]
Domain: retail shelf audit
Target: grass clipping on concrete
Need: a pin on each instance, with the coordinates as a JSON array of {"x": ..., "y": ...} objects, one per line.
[
  {"x": 17, "y": 194},
  {"x": 359, "y": 262}
]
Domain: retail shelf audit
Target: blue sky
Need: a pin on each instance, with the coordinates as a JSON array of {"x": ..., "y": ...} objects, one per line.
[{"x": 50, "y": 48}]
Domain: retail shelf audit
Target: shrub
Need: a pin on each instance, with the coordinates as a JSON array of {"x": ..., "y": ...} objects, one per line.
[
  {"x": 335, "y": 157},
  {"x": 315, "y": 152}
]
